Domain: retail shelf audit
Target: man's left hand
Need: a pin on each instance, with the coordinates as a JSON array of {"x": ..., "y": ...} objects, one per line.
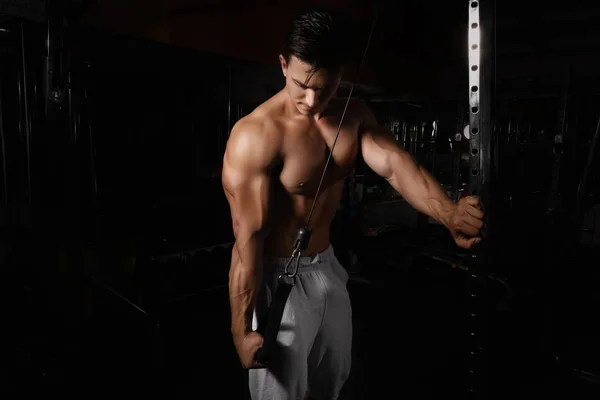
[{"x": 466, "y": 222}]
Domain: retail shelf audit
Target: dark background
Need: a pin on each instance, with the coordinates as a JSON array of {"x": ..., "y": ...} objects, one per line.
[{"x": 116, "y": 236}]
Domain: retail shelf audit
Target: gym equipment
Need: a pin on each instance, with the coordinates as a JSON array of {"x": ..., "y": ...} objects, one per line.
[
  {"x": 561, "y": 130},
  {"x": 481, "y": 51},
  {"x": 583, "y": 183}
]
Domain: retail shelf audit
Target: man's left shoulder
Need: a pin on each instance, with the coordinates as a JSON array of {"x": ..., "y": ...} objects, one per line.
[{"x": 362, "y": 113}]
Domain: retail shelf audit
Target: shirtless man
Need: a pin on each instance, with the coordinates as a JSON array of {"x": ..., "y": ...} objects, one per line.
[{"x": 271, "y": 169}]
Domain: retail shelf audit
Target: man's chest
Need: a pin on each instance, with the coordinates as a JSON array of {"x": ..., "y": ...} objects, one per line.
[{"x": 306, "y": 150}]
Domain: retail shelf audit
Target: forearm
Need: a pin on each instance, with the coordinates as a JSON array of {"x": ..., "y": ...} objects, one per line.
[
  {"x": 382, "y": 153},
  {"x": 245, "y": 276},
  {"x": 420, "y": 189}
]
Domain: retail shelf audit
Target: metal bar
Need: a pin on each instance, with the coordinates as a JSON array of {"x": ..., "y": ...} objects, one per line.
[
  {"x": 458, "y": 148},
  {"x": 72, "y": 112},
  {"x": 118, "y": 295},
  {"x": 48, "y": 70},
  {"x": 27, "y": 124},
  {"x": 586, "y": 171},
  {"x": 474, "y": 49},
  {"x": 92, "y": 145},
  {"x": 3, "y": 145},
  {"x": 474, "y": 101},
  {"x": 551, "y": 332},
  {"x": 480, "y": 69},
  {"x": 561, "y": 130}
]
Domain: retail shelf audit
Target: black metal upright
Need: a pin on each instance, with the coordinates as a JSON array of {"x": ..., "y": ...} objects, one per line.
[
  {"x": 554, "y": 201},
  {"x": 554, "y": 229},
  {"x": 24, "y": 91},
  {"x": 3, "y": 154},
  {"x": 481, "y": 72}
]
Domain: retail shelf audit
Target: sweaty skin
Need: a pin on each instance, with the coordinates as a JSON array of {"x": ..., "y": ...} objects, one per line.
[{"x": 271, "y": 170}]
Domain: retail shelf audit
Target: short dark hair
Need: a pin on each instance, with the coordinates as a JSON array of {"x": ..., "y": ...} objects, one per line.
[{"x": 319, "y": 38}]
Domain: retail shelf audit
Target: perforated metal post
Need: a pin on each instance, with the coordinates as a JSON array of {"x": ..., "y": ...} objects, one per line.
[
  {"x": 478, "y": 104},
  {"x": 480, "y": 53},
  {"x": 561, "y": 130},
  {"x": 555, "y": 229}
]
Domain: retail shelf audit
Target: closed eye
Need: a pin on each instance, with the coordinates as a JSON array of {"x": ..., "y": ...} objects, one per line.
[{"x": 305, "y": 87}]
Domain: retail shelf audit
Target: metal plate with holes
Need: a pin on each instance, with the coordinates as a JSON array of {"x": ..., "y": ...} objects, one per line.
[
  {"x": 480, "y": 52},
  {"x": 474, "y": 42}
]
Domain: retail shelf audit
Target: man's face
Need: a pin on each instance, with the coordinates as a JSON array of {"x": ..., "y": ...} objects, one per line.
[{"x": 310, "y": 90}]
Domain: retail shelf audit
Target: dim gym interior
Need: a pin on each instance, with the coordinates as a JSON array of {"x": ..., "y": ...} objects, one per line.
[{"x": 116, "y": 235}]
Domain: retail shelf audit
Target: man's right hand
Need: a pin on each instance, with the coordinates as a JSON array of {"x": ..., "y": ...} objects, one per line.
[{"x": 247, "y": 347}]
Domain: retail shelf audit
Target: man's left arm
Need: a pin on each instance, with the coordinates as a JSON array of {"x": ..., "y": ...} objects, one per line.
[{"x": 417, "y": 186}]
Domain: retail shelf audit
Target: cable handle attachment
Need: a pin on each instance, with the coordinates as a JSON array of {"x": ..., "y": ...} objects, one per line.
[
  {"x": 301, "y": 243},
  {"x": 302, "y": 239}
]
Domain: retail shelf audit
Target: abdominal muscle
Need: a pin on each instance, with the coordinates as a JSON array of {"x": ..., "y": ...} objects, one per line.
[{"x": 289, "y": 215}]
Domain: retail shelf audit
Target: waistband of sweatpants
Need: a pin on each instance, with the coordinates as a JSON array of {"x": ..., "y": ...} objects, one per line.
[{"x": 306, "y": 262}]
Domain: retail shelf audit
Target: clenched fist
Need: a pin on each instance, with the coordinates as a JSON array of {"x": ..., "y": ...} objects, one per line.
[
  {"x": 466, "y": 222},
  {"x": 246, "y": 347}
]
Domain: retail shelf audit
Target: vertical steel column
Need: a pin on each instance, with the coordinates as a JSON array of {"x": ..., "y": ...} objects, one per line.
[
  {"x": 561, "y": 130},
  {"x": 3, "y": 149},
  {"x": 48, "y": 70},
  {"x": 26, "y": 123},
  {"x": 553, "y": 229},
  {"x": 89, "y": 119},
  {"x": 457, "y": 148},
  {"x": 581, "y": 188},
  {"x": 474, "y": 100},
  {"x": 480, "y": 51}
]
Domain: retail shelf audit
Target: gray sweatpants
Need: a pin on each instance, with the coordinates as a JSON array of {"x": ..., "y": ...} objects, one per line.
[{"x": 315, "y": 339}]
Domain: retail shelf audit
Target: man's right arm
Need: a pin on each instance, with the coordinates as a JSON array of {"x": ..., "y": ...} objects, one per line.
[{"x": 247, "y": 185}]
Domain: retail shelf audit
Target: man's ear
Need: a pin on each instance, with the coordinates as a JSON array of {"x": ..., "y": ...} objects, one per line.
[{"x": 283, "y": 64}]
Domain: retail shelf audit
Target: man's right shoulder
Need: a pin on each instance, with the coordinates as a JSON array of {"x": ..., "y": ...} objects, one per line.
[{"x": 253, "y": 140}]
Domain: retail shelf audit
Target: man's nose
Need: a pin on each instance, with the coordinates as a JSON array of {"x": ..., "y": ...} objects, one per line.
[{"x": 311, "y": 98}]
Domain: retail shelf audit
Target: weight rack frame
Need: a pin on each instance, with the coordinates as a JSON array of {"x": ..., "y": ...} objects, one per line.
[{"x": 481, "y": 53}]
